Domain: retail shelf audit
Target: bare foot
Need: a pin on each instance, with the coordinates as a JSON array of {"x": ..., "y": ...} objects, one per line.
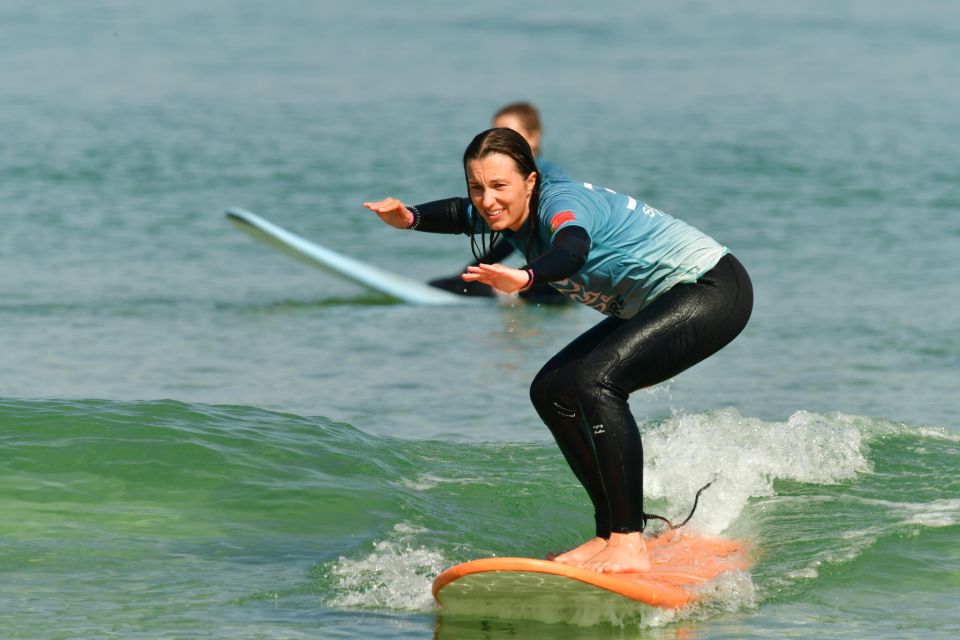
[
  {"x": 624, "y": 553},
  {"x": 580, "y": 554}
]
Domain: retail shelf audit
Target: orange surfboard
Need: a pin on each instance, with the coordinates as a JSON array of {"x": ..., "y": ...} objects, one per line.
[{"x": 681, "y": 564}]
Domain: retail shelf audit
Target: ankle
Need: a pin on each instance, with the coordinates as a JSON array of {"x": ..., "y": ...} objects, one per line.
[{"x": 633, "y": 539}]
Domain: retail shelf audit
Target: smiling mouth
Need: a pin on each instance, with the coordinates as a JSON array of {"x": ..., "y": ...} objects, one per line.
[{"x": 496, "y": 213}]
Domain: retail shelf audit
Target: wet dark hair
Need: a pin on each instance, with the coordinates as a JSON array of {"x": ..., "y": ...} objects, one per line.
[{"x": 513, "y": 145}]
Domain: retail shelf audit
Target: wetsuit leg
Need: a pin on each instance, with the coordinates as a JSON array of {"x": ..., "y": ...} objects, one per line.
[
  {"x": 554, "y": 396},
  {"x": 602, "y": 367}
]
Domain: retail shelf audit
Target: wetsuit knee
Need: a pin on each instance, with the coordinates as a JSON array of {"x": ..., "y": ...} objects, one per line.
[
  {"x": 540, "y": 391},
  {"x": 553, "y": 396}
]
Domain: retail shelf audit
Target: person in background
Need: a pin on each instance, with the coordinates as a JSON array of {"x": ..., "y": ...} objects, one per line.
[
  {"x": 524, "y": 118},
  {"x": 673, "y": 296}
]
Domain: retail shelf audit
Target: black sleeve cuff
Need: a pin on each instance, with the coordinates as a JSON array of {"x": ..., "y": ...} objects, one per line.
[{"x": 441, "y": 216}]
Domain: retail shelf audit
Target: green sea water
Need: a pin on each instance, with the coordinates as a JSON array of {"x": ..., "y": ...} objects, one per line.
[
  {"x": 124, "y": 519},
  {"x": 202, "y": 438}
]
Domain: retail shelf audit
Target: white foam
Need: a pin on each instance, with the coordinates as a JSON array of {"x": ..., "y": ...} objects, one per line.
[
  {"x": 938, "y": 433},
  {"x": 728, "y": 592},
  {"x": 939, "y": 513},
  {"x": 744, "y": 456},
  {"x": 935, "y": 514},
  {"x": 806, "y": 573},
  {"x": 427, "y": 481},
  {"x": 395, "y": 575}
]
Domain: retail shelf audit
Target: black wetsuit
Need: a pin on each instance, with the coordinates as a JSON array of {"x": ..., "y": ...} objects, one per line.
[{"x": 581, "y": 393}]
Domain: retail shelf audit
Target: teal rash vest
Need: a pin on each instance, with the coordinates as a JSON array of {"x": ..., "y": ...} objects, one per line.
[{"x": 637, "y": 252}]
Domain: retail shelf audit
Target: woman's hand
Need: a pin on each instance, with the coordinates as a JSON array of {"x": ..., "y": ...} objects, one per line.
[
  {"x": 392, "y": 212},
  {"x": 498, "y": 276}
]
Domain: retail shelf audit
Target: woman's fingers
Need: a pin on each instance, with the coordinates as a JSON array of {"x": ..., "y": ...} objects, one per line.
[
  {"x": 481, "y": 273},
  {"x": 391, "y": 211},
  {"x": 383, "y": 206},
  {"x": 495, "y": 275}
]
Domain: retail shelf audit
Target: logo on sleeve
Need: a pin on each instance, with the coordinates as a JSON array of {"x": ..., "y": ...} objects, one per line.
[{"x": 560, "y": 218}]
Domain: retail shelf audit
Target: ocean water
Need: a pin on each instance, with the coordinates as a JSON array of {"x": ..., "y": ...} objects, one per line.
[{"x": 200, "y": 437}]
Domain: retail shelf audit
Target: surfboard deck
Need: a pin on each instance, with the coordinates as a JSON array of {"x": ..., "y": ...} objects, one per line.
[
  {"x": 682, "y": 564},
  {"x": 391, "y": 285}
]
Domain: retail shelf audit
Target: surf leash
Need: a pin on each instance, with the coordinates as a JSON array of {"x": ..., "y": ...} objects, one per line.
[{"x": 696, "y": 499}]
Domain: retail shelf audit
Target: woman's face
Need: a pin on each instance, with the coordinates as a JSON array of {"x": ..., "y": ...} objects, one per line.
[{"x": 499, "y": 191}]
